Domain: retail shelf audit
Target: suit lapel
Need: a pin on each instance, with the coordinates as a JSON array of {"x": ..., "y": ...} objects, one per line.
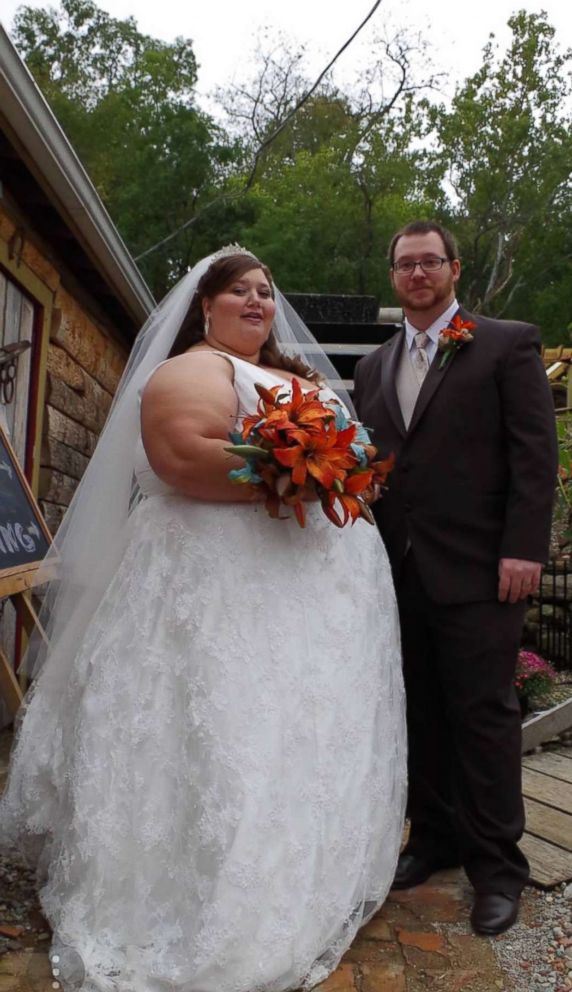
[{"x": 388, "y": 375}]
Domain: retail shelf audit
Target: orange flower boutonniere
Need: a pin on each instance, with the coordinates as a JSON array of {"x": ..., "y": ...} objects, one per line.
[{"x": 454, "y": 336}]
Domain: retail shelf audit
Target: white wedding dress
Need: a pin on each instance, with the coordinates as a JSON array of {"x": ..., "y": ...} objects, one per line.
[{"x": 216, "y": 800}]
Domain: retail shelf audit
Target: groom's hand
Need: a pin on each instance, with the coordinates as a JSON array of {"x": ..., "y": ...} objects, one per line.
[{"x": 518, "y": 579}]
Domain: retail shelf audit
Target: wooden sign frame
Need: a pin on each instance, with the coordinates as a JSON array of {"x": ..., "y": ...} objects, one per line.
[
  {"x": 21, "y": 576},
  {"x": 17, "y": 581}
]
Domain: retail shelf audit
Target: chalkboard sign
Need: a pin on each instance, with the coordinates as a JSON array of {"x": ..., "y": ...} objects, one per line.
[{"x": 24, "y": 537}]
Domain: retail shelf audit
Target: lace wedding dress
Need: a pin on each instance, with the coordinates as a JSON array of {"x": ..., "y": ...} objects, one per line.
[{"x": 215, "y": 802}]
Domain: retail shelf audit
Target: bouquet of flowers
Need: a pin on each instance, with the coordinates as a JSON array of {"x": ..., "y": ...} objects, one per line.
[
  {"x": 297, "y": 444},
  {"x": 533, "y": 677}
]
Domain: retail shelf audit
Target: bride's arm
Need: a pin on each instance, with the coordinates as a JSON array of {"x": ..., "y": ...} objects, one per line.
[{"x": 188, "y": 408}]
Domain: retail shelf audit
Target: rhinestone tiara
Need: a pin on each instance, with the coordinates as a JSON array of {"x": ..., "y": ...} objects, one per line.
[{"x": 228, "y": 250}]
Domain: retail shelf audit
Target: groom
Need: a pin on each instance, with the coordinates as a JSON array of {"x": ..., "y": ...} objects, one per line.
[{"x": 466, "y": 522}]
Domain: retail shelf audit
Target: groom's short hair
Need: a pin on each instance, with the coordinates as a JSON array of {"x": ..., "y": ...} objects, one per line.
[{"x": 426, "y": 227}]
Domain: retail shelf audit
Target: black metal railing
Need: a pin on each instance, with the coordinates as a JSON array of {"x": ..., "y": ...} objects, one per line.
[{"x": 554, "y": 619}]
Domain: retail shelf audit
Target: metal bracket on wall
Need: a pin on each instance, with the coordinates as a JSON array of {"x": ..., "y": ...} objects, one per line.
[
  {"x": 16, "y": 245},
  {"x": 9, "y": 355}
]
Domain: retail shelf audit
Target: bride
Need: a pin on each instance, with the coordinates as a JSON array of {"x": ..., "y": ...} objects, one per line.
[{"x": 210, "y": 768}]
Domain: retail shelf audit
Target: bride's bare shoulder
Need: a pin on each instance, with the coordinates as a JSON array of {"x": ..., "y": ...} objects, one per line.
[
  {"x": 199, "y": 361},
  {"x": 204, "y": 372}
]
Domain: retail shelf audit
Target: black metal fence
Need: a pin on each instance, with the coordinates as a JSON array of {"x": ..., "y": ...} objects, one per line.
[{"x": 549, "y": 622}]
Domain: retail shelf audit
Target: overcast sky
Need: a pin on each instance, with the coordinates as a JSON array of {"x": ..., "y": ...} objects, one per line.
[{"x": 224, "y": 32}]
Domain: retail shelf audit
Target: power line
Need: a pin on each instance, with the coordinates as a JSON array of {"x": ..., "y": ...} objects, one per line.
[{"x": 265, "y": 144}]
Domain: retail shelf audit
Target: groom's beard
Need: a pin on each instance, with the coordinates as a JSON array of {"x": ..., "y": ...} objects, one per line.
[{"x": 426, "y": 296}]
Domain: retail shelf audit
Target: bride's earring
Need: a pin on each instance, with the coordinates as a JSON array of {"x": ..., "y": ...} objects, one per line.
[{"x": 207, "y": 324}]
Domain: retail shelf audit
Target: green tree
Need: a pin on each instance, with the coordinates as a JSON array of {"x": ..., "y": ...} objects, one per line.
[
  {"x": 324, "y": 219},
  {"x": 335, "y": 180},
  {"x": 127, "y": 103},
  {"x": 505, "y": 148}
]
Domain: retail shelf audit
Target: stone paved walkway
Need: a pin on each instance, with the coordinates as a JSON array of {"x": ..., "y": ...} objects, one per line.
[{"x": 419, "y": 941}]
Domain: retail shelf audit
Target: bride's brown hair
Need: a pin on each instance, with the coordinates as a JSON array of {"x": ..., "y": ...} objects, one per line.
[{"x": 216, "y": 279}]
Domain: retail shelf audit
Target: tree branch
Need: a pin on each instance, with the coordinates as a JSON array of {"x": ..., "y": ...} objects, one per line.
[{"x": 265, "y": 144}]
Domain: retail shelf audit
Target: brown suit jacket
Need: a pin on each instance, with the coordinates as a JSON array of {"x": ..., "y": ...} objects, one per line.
[{"x": 475, "y": 474}]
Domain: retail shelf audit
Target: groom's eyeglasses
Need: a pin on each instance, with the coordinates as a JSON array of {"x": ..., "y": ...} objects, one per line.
[{"x": 432, "y": 264}]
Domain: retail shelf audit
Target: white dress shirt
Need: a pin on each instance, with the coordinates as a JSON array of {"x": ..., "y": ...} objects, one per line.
[{"x": 432, "y": 332}]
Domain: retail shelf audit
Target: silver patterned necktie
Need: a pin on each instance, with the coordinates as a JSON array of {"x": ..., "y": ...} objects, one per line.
[{"x": 419, "y": 355}]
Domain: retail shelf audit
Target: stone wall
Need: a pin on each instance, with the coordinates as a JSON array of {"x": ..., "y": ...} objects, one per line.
[{"x": 83, "y": 365}]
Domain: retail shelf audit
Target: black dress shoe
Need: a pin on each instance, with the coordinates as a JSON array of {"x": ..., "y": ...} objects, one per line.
[
  {"x": 412, "y": 870},
  {"x": 493, "y": 912}
]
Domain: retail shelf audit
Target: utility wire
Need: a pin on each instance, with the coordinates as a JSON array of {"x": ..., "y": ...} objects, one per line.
[{"x": 265, "y": 144}]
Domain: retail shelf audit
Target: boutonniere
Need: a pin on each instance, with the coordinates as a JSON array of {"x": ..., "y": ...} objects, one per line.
[{"x": 454, "y": 336}]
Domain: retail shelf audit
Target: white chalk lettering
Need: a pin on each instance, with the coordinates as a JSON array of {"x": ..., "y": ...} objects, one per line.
[
  {"x": 25, "y": 540},
  {"x": 13, "y": 537},
  {"x": 9, "y": 537}
]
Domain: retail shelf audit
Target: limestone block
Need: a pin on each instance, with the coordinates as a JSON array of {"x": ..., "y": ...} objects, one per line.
[
  {"x": 63, "y": 367},
  {"x": 41, "y": 266},
  {"x": 63, "y": 458},
  {"x": 101, "y": 398},
  {"x": 28, "y": 252},
  {"x": 60, "y": 427},
  {"x": 55, "y": 487},
  {"x": 90, "y": 410},
  {"x": 53, "y": 514},
  {"x": 98, "y": 353}
]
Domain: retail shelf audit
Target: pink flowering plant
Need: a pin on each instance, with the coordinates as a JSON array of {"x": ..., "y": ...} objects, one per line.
[{"x": 534, "y": 676}]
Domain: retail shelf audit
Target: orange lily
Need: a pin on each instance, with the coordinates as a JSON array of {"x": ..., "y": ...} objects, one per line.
[
  {"x": 268, "y": 396},
  {"x": 300, "y": 513},
  {"x": 326, "y": 456},
  {"x": 458, "y": 324},
  {"x": 330, "y": 510},
  {"x": 278, "y": 413},
  {"x": 353, "y": 487},
  {"x": 382, "y": 469}
]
